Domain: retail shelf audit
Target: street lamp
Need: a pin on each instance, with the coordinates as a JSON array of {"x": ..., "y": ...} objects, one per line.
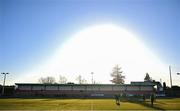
[{"x": 4, "y": 82}]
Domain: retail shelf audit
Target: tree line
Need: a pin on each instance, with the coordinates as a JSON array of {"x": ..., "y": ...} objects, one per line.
[{"x": 117, "y": 78}]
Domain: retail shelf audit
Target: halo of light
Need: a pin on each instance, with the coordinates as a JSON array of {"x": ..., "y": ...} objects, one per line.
[{"x": 98, "y": 49}]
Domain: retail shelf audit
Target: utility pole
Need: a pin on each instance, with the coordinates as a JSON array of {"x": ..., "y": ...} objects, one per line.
[
  {"x": 170, "y": 76},
  {"x": 92, "y": 77},
  {"x": 4, "y": 82}
]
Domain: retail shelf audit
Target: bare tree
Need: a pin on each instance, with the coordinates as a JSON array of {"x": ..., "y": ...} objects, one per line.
[
  {"x": 81, "y": 80},
  {"x": 84, "y": 81},
  {"x": 47, "y": 80},
  {"x": 97, "y": 82},
  {"x": 117, "y": 76},
  {"x": 62, "y": 79}
]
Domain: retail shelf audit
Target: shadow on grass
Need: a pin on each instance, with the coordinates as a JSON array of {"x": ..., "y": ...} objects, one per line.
[{"x": 146, "y": 104}]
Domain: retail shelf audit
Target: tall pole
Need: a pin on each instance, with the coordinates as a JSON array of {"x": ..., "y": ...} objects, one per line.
[
  {"x": 170, "y": 75},
  {"x": 160, "y": 80},
  {"x": 92, "y": 77},
  {"x": 4, "y": 82}
]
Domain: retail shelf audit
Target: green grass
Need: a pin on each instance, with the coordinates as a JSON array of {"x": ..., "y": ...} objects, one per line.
[{"x": 85, "y": 104}]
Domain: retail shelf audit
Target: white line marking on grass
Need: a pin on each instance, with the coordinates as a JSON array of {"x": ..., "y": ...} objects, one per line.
[{"x": 91, "y": 105}]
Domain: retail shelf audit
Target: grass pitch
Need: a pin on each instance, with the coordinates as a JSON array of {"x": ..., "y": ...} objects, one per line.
[{"x": 86, "y": 104}]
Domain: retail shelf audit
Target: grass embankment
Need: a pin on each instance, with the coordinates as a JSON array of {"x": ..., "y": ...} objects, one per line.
[{"x": 86, "y": 104}]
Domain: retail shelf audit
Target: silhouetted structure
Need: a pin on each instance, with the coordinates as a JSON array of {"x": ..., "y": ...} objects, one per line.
[
  {"x": 83, "y": 90},
  {"x": 8, "y": 91}
]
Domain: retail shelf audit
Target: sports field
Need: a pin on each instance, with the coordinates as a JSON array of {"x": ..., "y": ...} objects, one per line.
[{"x": 86, "y": 104}]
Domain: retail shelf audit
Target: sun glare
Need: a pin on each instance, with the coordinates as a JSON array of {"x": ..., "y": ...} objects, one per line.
[{"x": 97, "y": 49}]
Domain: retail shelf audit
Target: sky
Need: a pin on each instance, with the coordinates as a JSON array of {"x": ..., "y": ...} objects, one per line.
[{"x": 32, "y": 32}]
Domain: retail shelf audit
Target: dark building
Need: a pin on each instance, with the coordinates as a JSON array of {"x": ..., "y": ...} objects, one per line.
[{"x": 82, "y": 90}]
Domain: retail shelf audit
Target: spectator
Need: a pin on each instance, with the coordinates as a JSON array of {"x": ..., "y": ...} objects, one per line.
[
  {"x": 117, "y": 97},
  {"x": 152, "y": 99}
]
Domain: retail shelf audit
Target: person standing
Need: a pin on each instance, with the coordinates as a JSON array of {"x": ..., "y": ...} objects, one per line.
[
  {"x": 117, "y": 97},
  {"x": 152, "y": 99}
]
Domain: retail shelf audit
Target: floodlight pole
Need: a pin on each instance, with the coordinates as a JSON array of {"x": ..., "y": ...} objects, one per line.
[
  {"x": 4, "y": 82},
  {"x": 170, "y": 76}
]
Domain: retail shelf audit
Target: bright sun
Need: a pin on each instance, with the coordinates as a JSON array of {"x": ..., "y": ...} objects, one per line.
[{"x": 98, "y": 49}]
